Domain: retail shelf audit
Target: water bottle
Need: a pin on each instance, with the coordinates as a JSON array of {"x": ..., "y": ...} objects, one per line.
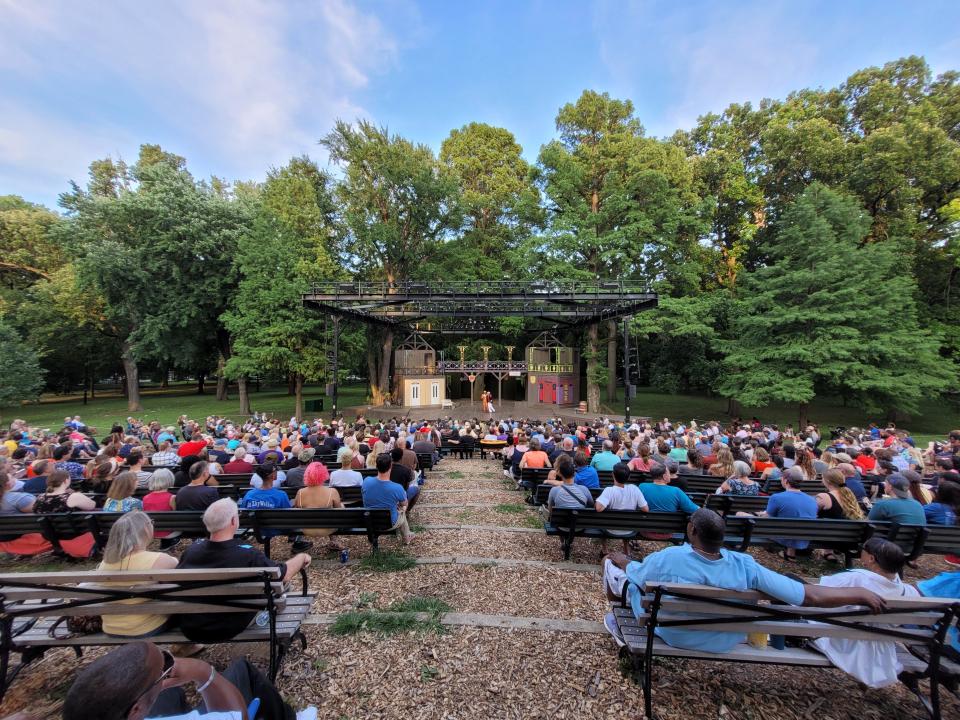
[
  {"x": 263, "y": 618},
  {"x": 344, "y": 556}
]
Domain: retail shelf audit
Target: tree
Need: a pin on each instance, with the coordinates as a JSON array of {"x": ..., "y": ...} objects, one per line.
[
  {"x": 158, "y": 248},
  {"x": 498, "y": 198},
  {"x": 398, "y": 204},
  {"x": 289, "y": 246},
  {"x": 829, "y": 314},
  {"x": 29, "y": 252},
  {"x": 21, "y": 377}
]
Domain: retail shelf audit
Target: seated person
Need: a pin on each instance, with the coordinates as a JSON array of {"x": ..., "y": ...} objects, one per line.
[
  {"x": 126, "y": 550},
  {"x": 346, "y": 476},
  {"x": 704, "y": 561},
  {"x": 13, "y": 501},
  {"x": 224, "y": 550},
  {"x": 567, "y": 494},
  {"x": 898, "y": 506},
  {"x": 239, "y": 465},
  {"x": 945, "y": 509},
  {"x": 139, "y": 680},
  {"x": 792, "y": 503},
  {"x": 872, "y": 662},
  {"x": 586, "y": 474},
  {"x": 621, "y": 496},
  {"x": 295, "y": 475},
  {"x": 315, "y": 495},
  {"x": 661, "y": 495},
  {"x": 197, "y": 495},
  {"x": 403, "y": 476},
  {"x": 740, "y": 483},
  {"x": 120, "y": 494},
  {"x": 380, "y": 492}
]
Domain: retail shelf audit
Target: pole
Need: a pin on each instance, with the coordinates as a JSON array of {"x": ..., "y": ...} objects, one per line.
[
  {"x": 626, "y": 373},
  {"x": 336, "y": 362}
]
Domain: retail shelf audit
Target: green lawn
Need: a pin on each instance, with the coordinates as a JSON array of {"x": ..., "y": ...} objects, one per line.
[
  {"x": 166, "y": 406},
  {"x": 937, "y": 419}
]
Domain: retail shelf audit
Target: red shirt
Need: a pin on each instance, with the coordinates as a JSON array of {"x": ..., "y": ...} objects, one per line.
[
  {"x": 866, "y": 463},
  {"x": 194, "y": 447},
  {"x": 238, "y": 466}
]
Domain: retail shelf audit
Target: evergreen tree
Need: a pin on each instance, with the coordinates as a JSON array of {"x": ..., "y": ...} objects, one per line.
[{"x": 827, "y": 313}]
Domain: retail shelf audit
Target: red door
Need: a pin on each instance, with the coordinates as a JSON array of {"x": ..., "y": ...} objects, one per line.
[{"x": 552, "y": 393}]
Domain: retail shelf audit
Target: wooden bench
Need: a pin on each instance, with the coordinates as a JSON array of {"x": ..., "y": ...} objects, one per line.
[
  {"x": 636, "y": 477},
  {"x": 915, "y": 540},
  {"x": 425, "y": 460},
  {"x": 543, "y": 491},
  {"x": 570, "y": 524},
  {"x": 699, "y": 607},
  {"x": 840, "y": 536},
  {"x": 44, "y": 597},
  {"x": 492, "y": 447}
]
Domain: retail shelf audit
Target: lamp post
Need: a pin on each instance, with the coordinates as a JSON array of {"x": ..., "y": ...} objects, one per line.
[{"x": 463, "y": 350}]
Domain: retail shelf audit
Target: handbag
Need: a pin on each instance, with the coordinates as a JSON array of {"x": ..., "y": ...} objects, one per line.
[{"x": 76, "y": 625}]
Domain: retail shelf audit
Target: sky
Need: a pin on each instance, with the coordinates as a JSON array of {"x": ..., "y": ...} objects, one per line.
[{"x": 239, "y": 86}]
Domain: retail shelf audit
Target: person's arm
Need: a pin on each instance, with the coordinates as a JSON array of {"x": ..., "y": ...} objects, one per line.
[
  {"x": 821, "y": 499},
  {"x": 300, "y": 561},
  {"x": 164, "y": 562},
  {"x": 523, "y": 461},
  {"x": 686, "y": 504},
  {"x": 823, "y": 596},
  {"x": 81, "y": 502},
  {"x": 336, "y": 500},
  {"x": 724, "y": 488},
  {"x": 220, "y": 695}
]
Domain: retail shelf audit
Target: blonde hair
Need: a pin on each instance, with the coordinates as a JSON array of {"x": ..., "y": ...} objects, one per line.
[
  {"x": 724, "y": 463},
  {"x": 833, "y": 478},
  {"x": 130, "y": 533}
]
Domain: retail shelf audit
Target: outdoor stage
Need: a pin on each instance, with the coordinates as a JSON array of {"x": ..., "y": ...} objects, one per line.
[{"x": 463, "y": 410}]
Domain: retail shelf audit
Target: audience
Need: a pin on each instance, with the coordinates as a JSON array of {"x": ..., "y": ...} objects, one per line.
[
  {"x": 346, "y": 476},
  {"x": 898, "y": 506},
  {"x": 120, "y": 494},
  {"x": 315, "y": 495},
  {"x": 197, "y": 495},
  {"x": 380, "y": 492}
]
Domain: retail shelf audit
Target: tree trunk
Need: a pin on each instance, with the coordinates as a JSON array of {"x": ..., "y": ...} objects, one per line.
[
  {"x": 244, "y": 395},
  {"x": 612, "y": 361},
  {"x": 298, "y": 393},
  {"x": 132, "y": 373},
  {"x": 802, "y": 424},
  {"x": 372, "y": 373},
  {"x": 164, "y": 378},
  {"x": 221, "y": 380},
  {"x": 291, "y": 384},
  {"x": 593, "y": 366},
  {"x": 201, "y": 380},
  {"x": 383, "y": 380},
  {"x": 733, "y": 407}
]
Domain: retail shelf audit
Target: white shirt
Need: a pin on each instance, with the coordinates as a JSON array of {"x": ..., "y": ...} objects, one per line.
[
  {"x": 627, "y": 497},
  {"x": 346, "y": 478},
  {"x": 872, "y": 662}
]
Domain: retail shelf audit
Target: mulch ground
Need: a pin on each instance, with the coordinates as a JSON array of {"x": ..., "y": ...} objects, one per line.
[{"x": 479, "y": 673}]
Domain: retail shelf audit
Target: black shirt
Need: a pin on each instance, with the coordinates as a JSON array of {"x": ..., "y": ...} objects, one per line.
[
  {"x": 330, "y": 445},
  {"x": 402, "y": 475},
  {"x": 196, "y": 497},
  {"x": 207, "y": 554}
]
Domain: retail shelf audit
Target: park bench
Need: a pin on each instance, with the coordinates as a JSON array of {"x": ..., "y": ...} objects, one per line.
[
  {"x": 543, "y": 490},
  {"x": 636, "y": 477},
  {"x": 839, "y": 536},
  {"x": 573, "y": 523},
  {"x": 915, "y": 540},
  {"x": 492, "y": 447},
  {"x": 425, "y": 461},
  {"x": 699, "y": 607},
  {"x": 345, "y": 521},
  {"x": 41, "y": 598},
  {"x": 732, "y": 504}
]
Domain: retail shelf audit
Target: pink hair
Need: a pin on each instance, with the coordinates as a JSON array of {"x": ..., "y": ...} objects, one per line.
[{"x": 315, "y": 474}]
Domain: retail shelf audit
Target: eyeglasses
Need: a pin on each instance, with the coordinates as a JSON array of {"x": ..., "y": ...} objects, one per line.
[{"x": 169, "y": 662}]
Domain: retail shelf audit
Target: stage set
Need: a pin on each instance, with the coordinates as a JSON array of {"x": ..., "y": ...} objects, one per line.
[{"x": 549, "y": 370}]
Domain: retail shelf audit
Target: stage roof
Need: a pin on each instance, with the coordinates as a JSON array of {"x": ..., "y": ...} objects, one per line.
[{"x": 469, "y": 307}]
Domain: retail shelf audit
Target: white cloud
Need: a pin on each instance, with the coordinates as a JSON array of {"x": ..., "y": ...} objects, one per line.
[
  {"x": 236, "y": 85},
  {"x": 706, "y": 57}
]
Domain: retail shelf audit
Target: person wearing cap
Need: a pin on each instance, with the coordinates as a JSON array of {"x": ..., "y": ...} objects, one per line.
[
  {"x": 295, "y": 475},
  {"x": 218, "y": 453},
  {"x": 346, "y": 476},
  {"x": 898, "y": 506},
  {"x": 193, "y": 447},
  {"x": 270, "y": 452},
  {"x": 704, "y": 561}
]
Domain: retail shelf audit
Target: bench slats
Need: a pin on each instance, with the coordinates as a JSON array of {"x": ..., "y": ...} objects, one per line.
[{"x": 231, "y": 574}]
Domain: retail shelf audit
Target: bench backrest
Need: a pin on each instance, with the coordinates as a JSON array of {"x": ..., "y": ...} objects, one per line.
[
  {"x": 731, "y": 611},
  {"x": 655, "y": 522},
  {"x": 636, "y": 477},
  {"x": 164, "y": 592}
]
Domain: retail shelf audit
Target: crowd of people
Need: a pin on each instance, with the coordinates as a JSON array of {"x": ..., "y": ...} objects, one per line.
[{"x": 878, "y": 473}]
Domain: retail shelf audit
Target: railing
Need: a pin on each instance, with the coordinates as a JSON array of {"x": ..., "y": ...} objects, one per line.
[
  {"x": 552, "y": 368},
  {"x": 420, "y": 370},
  {"x": 483, "y": 288},
  {"x": 482, "y": 366}
]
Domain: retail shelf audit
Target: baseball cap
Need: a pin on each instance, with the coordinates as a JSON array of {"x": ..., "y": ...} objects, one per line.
[
  {"x": 843, "y": 458},
  {"x": 233, "y": 444},
  {"x": 306, "y": 455},
  {"x": 899, "y": 484}
]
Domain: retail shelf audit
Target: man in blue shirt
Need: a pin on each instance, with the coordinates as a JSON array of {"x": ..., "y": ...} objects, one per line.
[
  {"x": 792, "y": 503},
  {"x": 898, "y": 506},
  {"x": 664, "y": 497},
  {"x": 605, "y": 460},
  {"x": 705, "y": 562},
  {"x": 586, "y": 475},
  {"x": 380, "y": 492}
]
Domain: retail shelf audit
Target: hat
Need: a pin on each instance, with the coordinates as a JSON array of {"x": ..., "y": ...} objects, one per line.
[
  {"x": 899, "y": 484},
  {"x": 220, "y": 441},
  {"x": 272, "y": 442},
  {"x": 306, "y": 455},
  {"x": 912, "y": 476},
  {"x": 233, "y": 444},
  {"x": 843, "y": 458},
  {"x": 344, "y": 454}
]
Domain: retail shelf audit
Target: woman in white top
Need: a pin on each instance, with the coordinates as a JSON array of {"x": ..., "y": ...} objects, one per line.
[{"x": 872, "y": 662}]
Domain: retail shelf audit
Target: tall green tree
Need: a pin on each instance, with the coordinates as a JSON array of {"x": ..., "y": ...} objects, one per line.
[
  {"x": 828, "y": 314},
  {"x": 158, "y": 248},
  {"x": 398, "y": 204},
  {"x": 498, "y": 198},
  {"x": 21, "y": 377},
  {"x": 292, "y": 243},
  {"x": 30, "y": 251}
]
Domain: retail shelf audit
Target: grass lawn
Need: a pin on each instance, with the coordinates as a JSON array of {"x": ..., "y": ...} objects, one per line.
[
  {"x": 167, "y": 405},
  {"x": 937, "y": 419}
]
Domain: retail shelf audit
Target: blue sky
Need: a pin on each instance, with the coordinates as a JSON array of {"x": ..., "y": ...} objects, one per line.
[{"x": 237, "y": 86}]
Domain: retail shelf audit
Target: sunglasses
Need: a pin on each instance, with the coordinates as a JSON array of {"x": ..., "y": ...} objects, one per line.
[{"x": 169, "y": 662}]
